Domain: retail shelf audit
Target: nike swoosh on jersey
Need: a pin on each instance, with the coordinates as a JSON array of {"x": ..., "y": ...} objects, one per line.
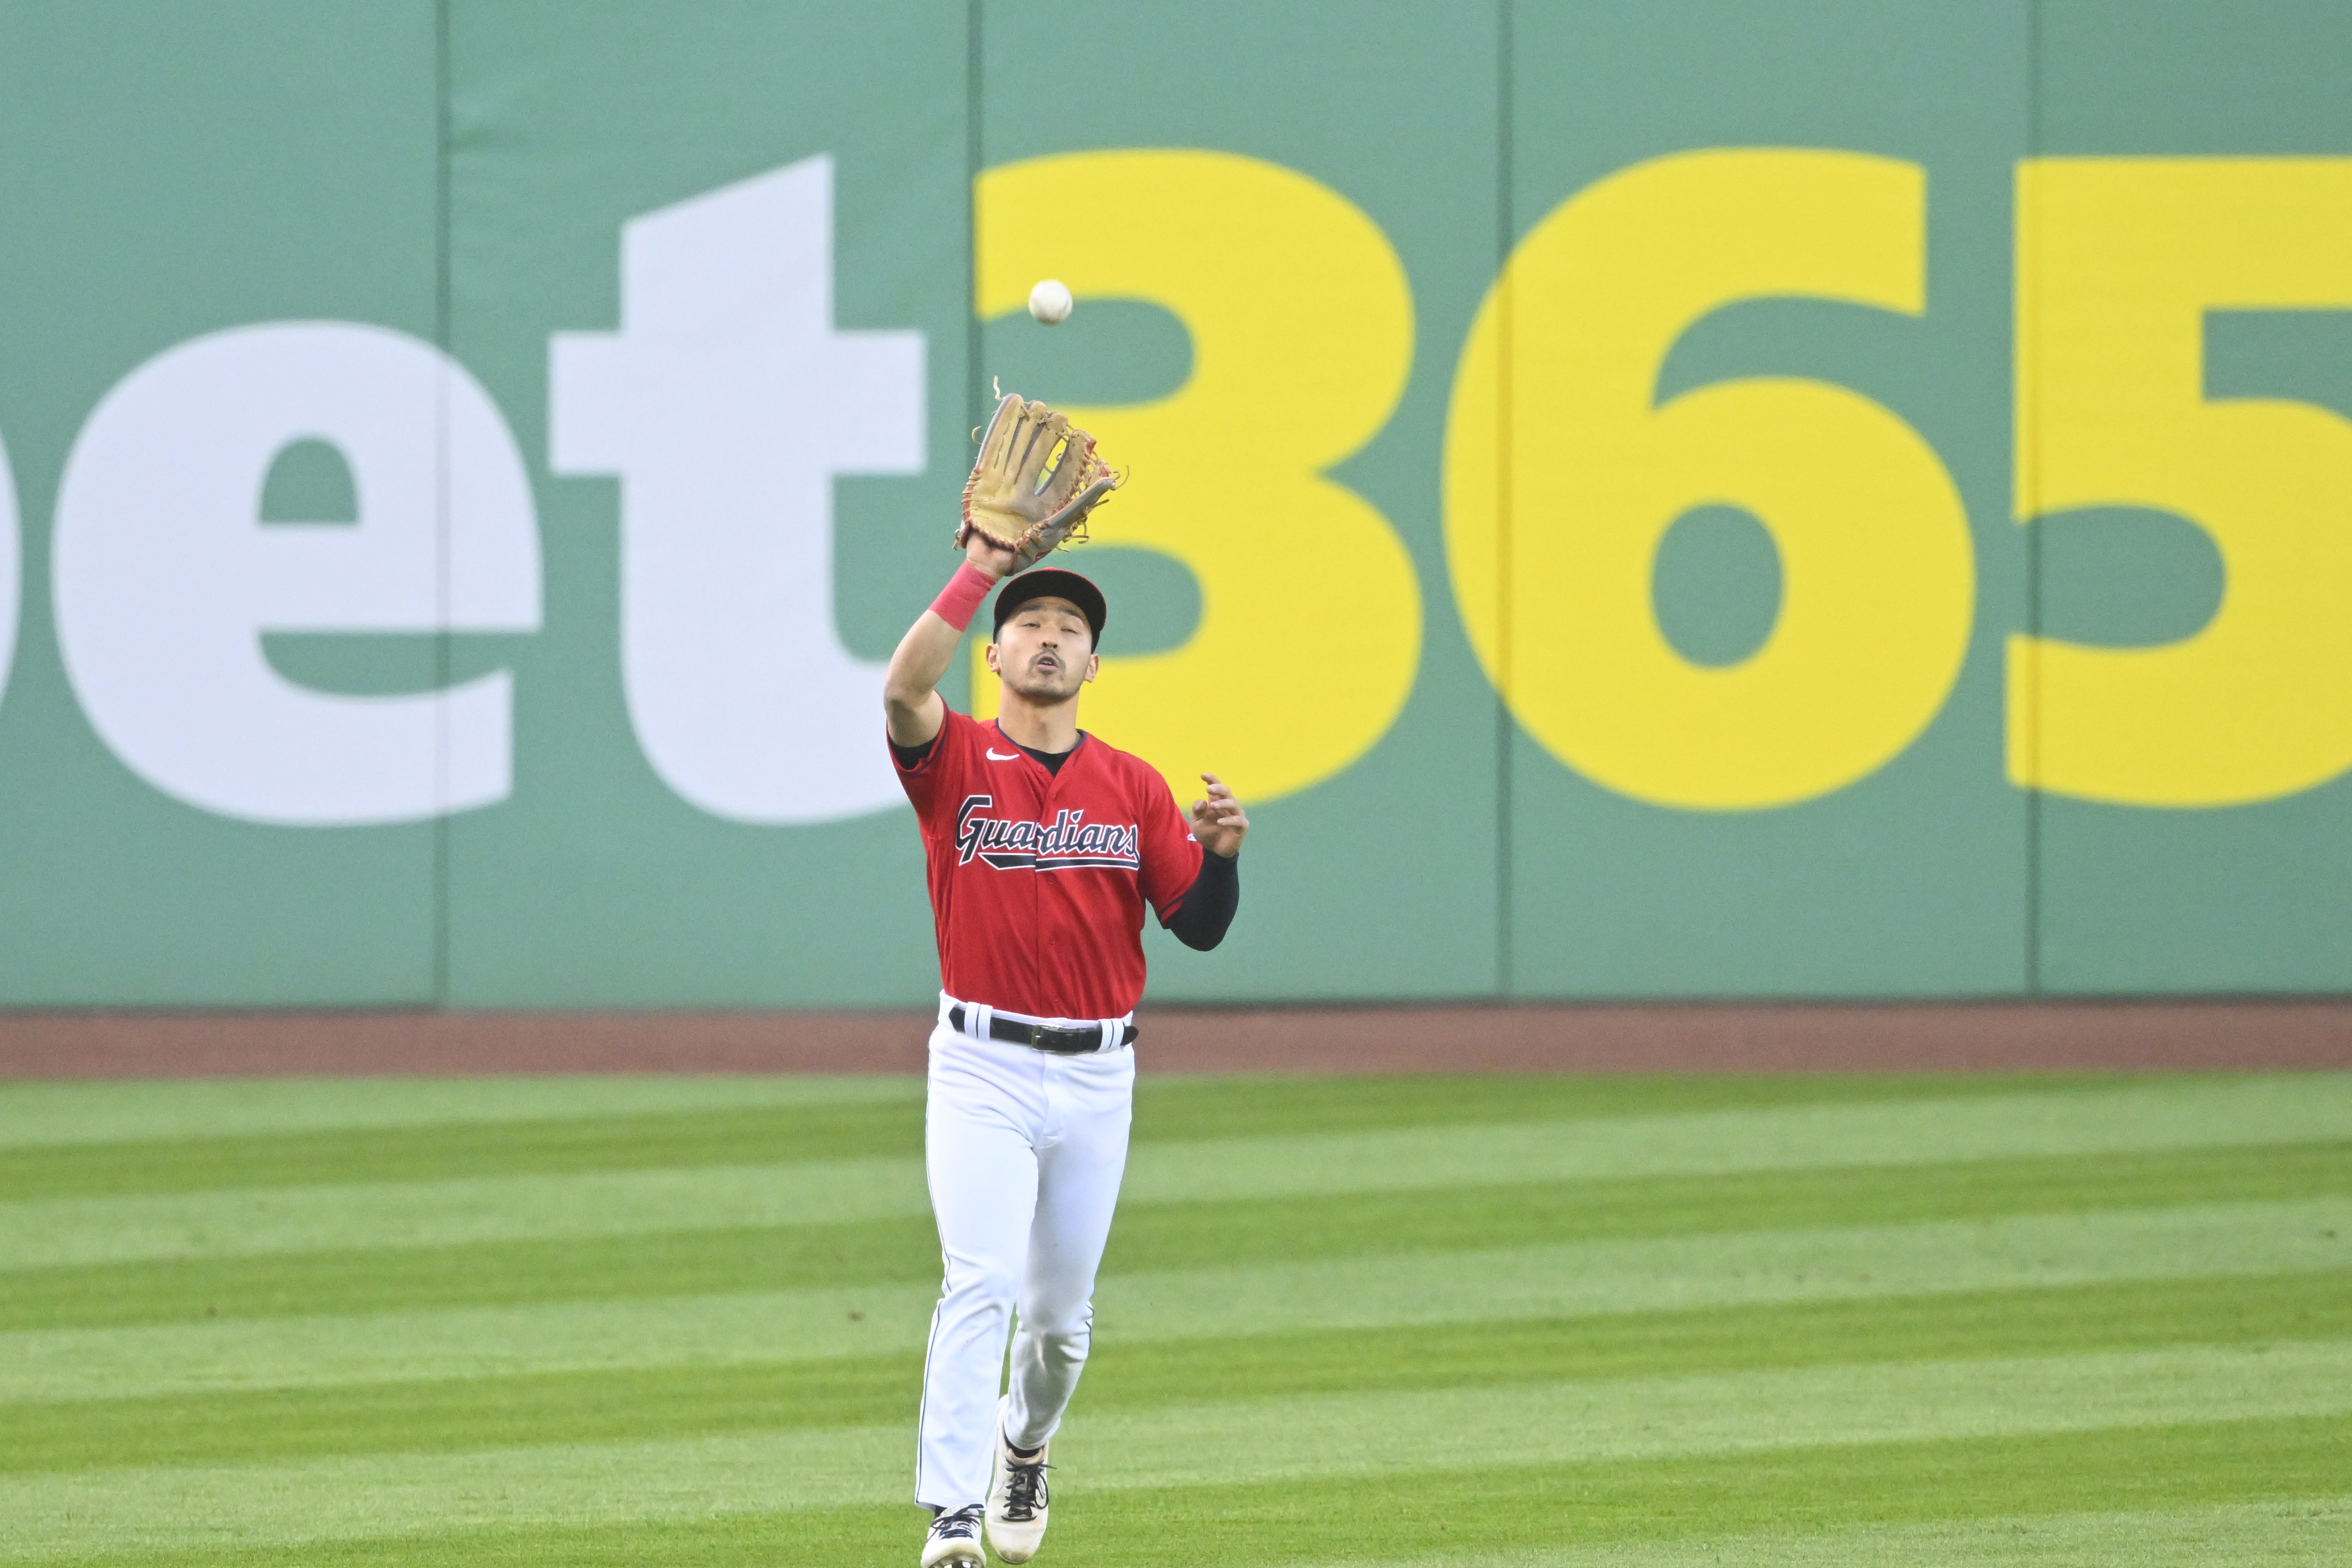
[{"x": 996, "y": 756}]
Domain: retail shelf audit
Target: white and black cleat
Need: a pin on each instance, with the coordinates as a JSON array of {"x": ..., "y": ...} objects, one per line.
[
  {"x": 1016, "y": 1499},
  {"x": 954, "y": 1540}
]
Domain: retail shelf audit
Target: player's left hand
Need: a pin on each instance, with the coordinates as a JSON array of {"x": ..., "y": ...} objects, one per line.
[{"x": 1219, "y": 822}]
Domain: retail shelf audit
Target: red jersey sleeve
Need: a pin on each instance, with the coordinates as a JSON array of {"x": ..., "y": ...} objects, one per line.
[
  {"x": 1172, "y": 857},
  {"x": 922, "y": 781}
]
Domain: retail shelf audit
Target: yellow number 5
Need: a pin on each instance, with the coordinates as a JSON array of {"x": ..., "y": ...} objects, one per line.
[
  {"x": 1302, "y": 335},
  {"x": 2118, "y": 261},
  {"x": 1553, "y": 546}
]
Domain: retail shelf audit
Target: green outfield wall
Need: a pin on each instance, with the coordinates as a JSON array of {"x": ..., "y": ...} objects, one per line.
[{"x": 1743, "y": 498}]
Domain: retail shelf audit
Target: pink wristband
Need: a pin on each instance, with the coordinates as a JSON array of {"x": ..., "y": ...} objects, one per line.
[{"x": 960, "y": 600}]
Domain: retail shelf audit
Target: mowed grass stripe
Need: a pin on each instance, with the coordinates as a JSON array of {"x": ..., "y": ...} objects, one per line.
[
  {"x": 1196, "y": 1110},
  {"x": 678, "y": 1140},
  {"x": 51, "y": 1114},
  {"x": 1749, "y": 1267},
  {"x": 1156, "y": 1236},
  {"x": 245, "y": 1223},
  {"x": 1609, "y": 1419},
  {"x": 2136, "y": 1117},
  {"x": 48, "y": 1114},
  {"x": 2139, "y": 1117},
  {"x": 1304, "y": 1439},
  {"x": 2316, "y": 1534},
  {"x": 712, "y": 1131},
  {"x": 1565, "y": 1280},
  {"x": 1128, "y": 1375},
  {"x": 1711, "y": 1505},
  {"x": 2274, "y": 1479}
]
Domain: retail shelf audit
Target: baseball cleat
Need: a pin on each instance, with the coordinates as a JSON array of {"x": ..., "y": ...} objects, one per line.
[
  {"x": 955, "y": 1539},
  {"x": 1016, "y": 1499}
]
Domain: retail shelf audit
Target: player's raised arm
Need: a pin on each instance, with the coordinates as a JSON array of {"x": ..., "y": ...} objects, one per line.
[
  {"x": 909, "y": 689},
  {"x": 1032, "y": 485}
]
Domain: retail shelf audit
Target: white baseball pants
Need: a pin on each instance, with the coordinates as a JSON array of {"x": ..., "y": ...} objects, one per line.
[{"x": 1024, "y": 1150}]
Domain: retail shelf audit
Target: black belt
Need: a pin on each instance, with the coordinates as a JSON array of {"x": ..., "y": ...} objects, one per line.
[{"x": 1042, "y": 1037}]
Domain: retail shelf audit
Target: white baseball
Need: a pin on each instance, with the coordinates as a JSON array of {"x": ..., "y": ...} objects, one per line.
[{"x": 1050, "y": 301}]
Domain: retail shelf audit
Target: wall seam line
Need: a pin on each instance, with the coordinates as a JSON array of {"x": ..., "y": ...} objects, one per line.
[
  {"x": 1505, "y": 955},
  {"x": 975, "y": 78},
  {"x": 2022, "y": 409},
  {"x": 443, "y": 335}
]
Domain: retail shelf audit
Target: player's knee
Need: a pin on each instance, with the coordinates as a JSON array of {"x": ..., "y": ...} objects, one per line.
[
  {"x": 1065, "y": 1350},
  {"x": 1066, "y": 1333}
]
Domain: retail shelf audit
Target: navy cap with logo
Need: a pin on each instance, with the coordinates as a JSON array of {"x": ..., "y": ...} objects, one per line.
[{"x": 1051, "y": 582}]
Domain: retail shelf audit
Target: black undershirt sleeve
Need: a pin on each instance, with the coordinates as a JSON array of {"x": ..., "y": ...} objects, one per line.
[
  {"x": 911, "y": 757},
  {"x": 1207, "y": 910}
]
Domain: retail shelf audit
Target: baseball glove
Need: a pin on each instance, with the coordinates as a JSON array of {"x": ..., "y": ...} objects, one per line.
[{"x": 1034, "y": 482}]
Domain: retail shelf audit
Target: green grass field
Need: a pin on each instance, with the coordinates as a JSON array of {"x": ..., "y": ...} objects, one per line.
[{"x": 1486, "y": 1322}]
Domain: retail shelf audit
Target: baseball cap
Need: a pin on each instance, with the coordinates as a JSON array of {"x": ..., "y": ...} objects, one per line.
[{"x": 1051, "y": 582}]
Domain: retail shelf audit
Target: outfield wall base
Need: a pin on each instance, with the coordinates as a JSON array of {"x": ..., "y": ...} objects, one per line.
[{"x": 1716, "y": 1037}]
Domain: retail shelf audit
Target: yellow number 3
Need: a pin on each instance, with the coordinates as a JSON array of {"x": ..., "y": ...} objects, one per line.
[{"x": 1302, "y": 336}]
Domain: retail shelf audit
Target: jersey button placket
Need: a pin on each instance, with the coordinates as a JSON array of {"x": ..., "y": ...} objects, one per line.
[{"x": 1036, "y": 786}]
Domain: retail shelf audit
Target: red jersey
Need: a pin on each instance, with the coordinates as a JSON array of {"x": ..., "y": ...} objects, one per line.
[{"x": 1038, "y": 879}]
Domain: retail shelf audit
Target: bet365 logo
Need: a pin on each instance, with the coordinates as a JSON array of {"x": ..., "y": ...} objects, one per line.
[{"x": 726, "y": 403}]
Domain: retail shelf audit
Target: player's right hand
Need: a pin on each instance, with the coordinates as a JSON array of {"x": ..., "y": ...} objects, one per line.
[{"x": 986, "y": 555}]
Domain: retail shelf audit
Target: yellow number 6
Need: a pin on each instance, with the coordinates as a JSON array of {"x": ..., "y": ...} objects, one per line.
[{"x": 1553, "y": 555}]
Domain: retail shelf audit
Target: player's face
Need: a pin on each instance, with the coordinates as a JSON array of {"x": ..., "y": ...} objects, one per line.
[{"x": 1044, "y": 651}]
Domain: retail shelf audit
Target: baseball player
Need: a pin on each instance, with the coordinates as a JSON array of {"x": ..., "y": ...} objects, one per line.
[{"x": 1043, "y": 846}]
